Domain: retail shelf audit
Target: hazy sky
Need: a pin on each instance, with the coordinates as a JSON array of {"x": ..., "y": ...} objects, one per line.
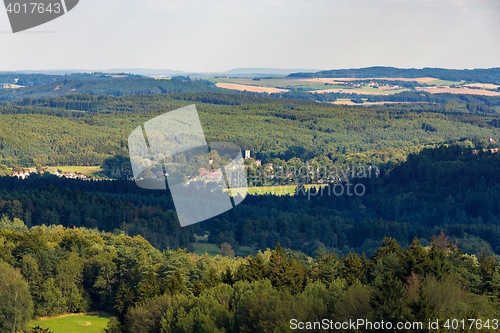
[{"x": 218, "y": 35}]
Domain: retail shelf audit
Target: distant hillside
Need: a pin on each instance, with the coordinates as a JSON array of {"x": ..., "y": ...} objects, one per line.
[
  {"x": 37, "y": 79},
  {"x": 86, "y": 129},
  {"x": 116, "y": 87},
  {"x": 491, "y": 75},
  {"x": 267, "y": 71}
]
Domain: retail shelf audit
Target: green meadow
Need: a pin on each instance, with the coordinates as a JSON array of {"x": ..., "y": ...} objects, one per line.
[
  {"x": 443, "y": 83},
  {"x": 80, "y": 169},
  {"x": 268, "y": 190},
  {"x": 212, "y": 249},
  {"x": 201, "y": 248},
  {"x": 85, "y": 323}
]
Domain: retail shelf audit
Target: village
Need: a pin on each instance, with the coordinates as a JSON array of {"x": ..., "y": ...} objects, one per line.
[{"x": 69, "y": 175}]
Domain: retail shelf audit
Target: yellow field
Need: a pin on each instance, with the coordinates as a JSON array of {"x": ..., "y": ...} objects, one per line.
[
  {"x": 79, "y": 169},
  {"x": 483, "y": 85},
  {"x": 274, "y": 190},
  {"x": 242, "y": 87}
]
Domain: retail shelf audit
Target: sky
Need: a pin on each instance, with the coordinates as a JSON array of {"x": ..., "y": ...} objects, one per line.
[{"x": 219, "y": 35}]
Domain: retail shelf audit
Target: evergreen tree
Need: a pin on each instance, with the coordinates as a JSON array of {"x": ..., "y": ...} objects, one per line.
[
  {"x": 175, "y": 284},
  {"x": 422, "y": 309},
  {"x": 415, "y": 259},
  {"x": 327, "y": 267},
  {"x": 212, "y": 279},
  {"x": 388, "y": 297},
  {"x": 278, "y": 269},
  {"x": 227, "y": 276},
  {"x": 354, "y": 268}
]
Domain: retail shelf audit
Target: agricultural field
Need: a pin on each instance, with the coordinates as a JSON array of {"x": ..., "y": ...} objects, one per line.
[
  {"x": 76, "y": 323},
  {"x": 438, "y": 82},
  {"x": 242, "y": 87},
  {"x": 463, "y": 90},
  {"x": 270, "y": 83},
  {"x": 80, "y": 169},
  {"x": 329, "y": 85},
  {"x": 483, "y": 85},
  {"x": 362, "y": 91},
  {"x": 270, "y": 190}
]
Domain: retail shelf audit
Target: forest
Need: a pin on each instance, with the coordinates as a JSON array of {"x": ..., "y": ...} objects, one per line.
[
  {"x": 85, "y": 129},
  {"x": 416, "y": 198},
  {"x": 135, "y": 85},
  {"x": 28, "y": 80},
  {"x": 413, "y": 236},
  {"x": 472, "y": 103},
  {"x": 55, "y": 270}
]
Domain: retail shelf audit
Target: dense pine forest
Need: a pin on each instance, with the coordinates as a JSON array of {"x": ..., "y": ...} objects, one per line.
[
  {"x": 85, "y": 130},
  {"x": 450, "y": 188}
]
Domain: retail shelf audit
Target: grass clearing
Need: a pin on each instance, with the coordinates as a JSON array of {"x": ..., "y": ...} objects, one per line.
[
  {"x": 79, "y": 169},
  {"x": 201, "y": 248},
  {"x": 322, "y": 86},
  {"x": 270, "y": 190},
  {"x": 383, "y": 92},
  {"x": 74, "y": 323},
  {"x": 245, "y": 251},
  {"x": 443, "y": 83},
  {"x": 213, "y": 249}
]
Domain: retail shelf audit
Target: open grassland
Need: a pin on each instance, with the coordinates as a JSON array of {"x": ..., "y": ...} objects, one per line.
[
  {"x": 270, "y": 190},
  {"x": 245, "y": 251},
  {"x": 79, "y": 169},
  {"x": 74, "y": 323},
  {"x": 201, "y": 248},
  {"x": 322, "y": 86},
  {"x": 443, "y": 83},
  {"x": 212, "y": 249}
]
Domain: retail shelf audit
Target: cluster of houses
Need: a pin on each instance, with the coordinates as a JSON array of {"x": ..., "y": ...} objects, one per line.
[
  {"x": 23, "y": 174},
  {"x": 69, "y": 175},
  {"x": 207, "y": 175}
]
